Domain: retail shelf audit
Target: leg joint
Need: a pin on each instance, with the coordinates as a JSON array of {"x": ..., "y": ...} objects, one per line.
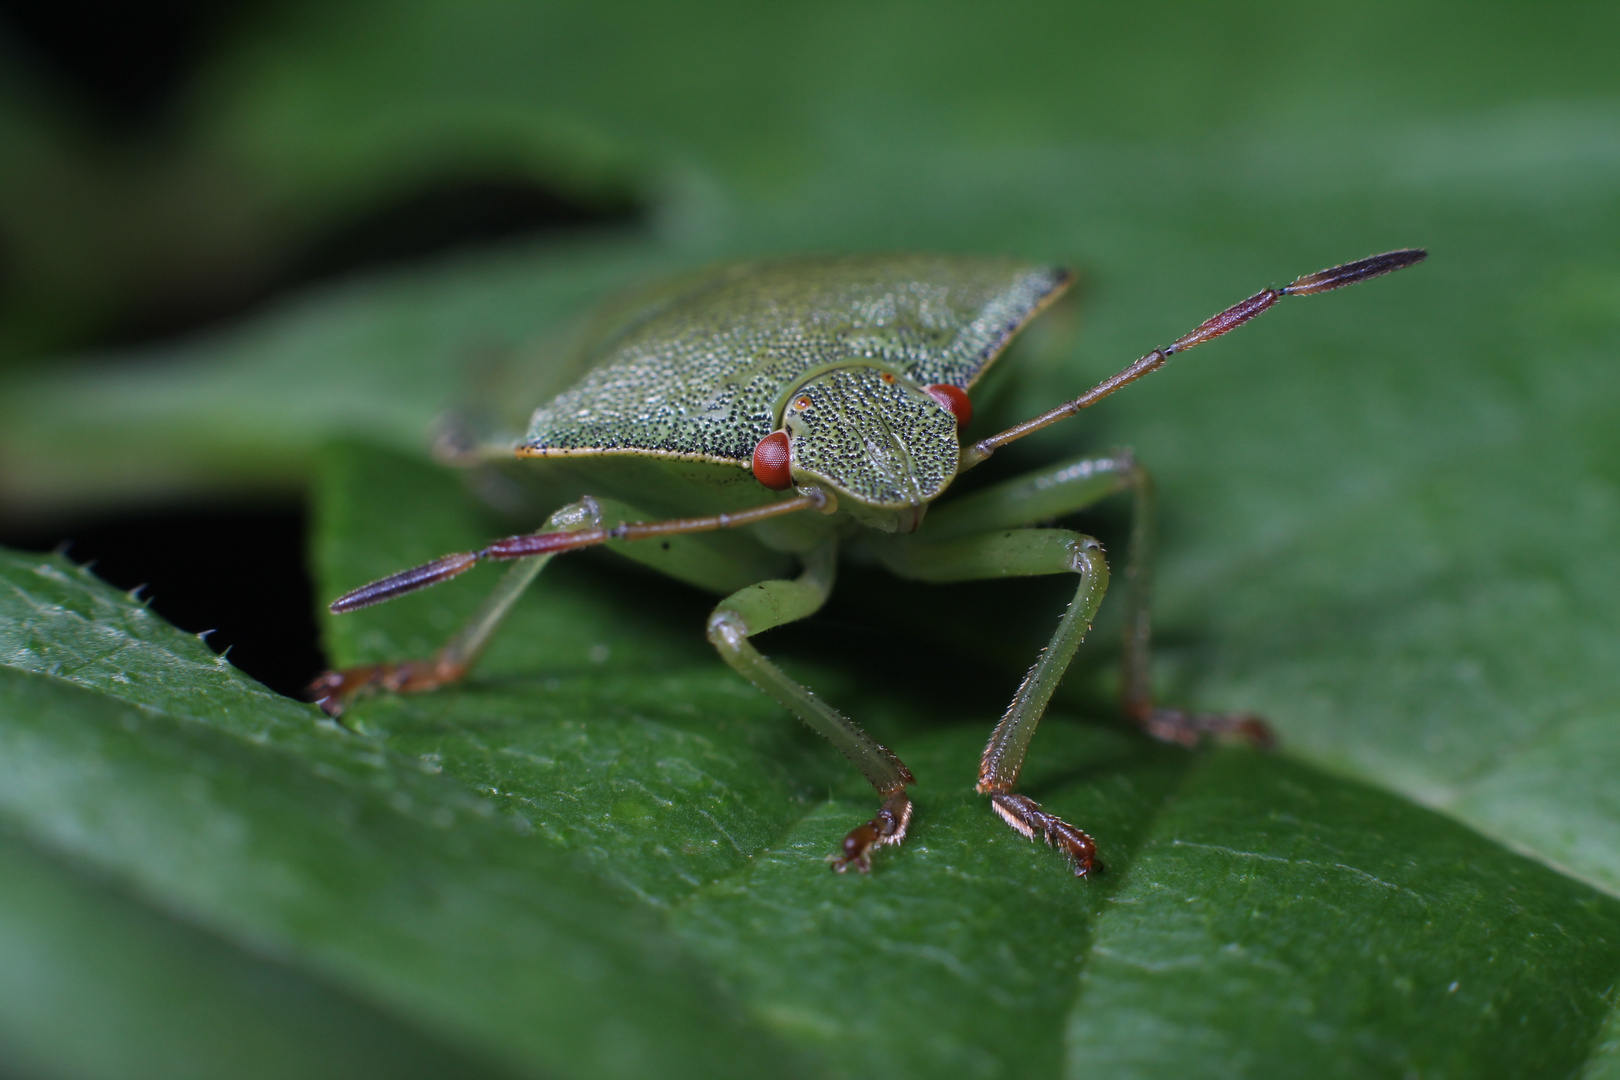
[
  {"x": 1132, "y": 472},
  {"x": 584, "y": 514},
  {"x": 1086, "y": 554},
  {"x": 1087, "y": 558},
  {"x": 726, "y": 630}
]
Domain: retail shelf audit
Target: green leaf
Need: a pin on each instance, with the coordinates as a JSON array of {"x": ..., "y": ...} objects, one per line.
[
  {"x": 128, "y": 747},
  {"x": 1262, "y": 886},
  {"x": 1390, "y": 524},
  {"x": 94, "y": 984},
  {"x": 1414, "y": 478},
  {"x": 1255, "y": 913},
  {"x": 1389, "y": 527},
  {"x": 329, "y": 101},
  {"x": 500, "y": 861}
]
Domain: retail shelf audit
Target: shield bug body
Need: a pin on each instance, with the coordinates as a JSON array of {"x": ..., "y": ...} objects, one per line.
[{"x": 757, "y": 418}]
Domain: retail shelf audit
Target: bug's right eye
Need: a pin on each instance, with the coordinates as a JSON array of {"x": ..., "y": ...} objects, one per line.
[{"x": 771, "y": 462}]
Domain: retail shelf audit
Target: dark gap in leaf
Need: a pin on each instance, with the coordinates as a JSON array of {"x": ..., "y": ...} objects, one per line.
[
  {"x": 455, "y": 212},
  {"x": 236, "y": 570},
  {"x": 448, "y": 213},
  {"x": 959, "y": 650},
  {"x": 874, "y": 631},
  {"x": 123, "y": 68},
  {"x": 8, "y": 268},
  {"x": 862, "y": 634},
  {"x": 123, "y": 62}
]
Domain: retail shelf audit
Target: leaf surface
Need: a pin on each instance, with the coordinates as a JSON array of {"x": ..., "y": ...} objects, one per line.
[
  {"x": 130, "y": 748},
  {"x": 1390, "y": 524}
]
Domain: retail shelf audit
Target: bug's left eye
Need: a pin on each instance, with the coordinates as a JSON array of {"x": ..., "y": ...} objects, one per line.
[
  {"x": 771, "y": 461},
  {"x": 955, "y": 400},
  {"x": 801, "y": 402}
]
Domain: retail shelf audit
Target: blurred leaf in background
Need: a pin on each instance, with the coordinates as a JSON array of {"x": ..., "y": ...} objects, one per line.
[{"x": 1392, "y": 525}]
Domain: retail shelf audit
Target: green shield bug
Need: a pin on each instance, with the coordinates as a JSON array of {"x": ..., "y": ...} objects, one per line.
[{"x": 765, "y": 415}]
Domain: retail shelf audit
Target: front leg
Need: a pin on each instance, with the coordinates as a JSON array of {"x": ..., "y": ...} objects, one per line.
[
  {"x": 334, "y": 690},
  {"x": 756, "y": 609},
  {"x": 1071, "y": 486},
  {"x": 717, "y": 561},
  {"x": 1021, "y": 553}
]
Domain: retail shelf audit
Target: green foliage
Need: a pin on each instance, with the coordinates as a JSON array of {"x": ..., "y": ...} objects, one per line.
[
  {"x": 1391, "y": 519},
  {"x": 130, "y": 747},
  {"x": 608, "y": 822}
]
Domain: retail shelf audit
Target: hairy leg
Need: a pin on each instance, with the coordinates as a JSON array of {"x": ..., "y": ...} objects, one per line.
[
  {"x": 719, "y": 562},
  {"x": 1071, "y": 486},
  {"x": 333, "y": 690},
  {"x": 1021, "y": 553},
  {"x": 760, "y": 607}
]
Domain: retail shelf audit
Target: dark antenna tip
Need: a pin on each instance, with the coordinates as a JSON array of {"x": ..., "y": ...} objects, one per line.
[
  {"x": 406, "y": 581},
  {"x": 1335, "y": 277}
]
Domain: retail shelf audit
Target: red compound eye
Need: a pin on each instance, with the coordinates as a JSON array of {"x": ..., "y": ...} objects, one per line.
[
  {"x": 771, "y": 461},
  {"x": 953, "y": 398}
]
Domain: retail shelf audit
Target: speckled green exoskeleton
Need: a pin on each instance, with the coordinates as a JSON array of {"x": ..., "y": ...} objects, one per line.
[{"x": 758, "y": 418}]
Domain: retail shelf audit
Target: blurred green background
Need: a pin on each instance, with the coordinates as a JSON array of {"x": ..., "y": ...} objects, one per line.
[{"x": 248, "y": 252}]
